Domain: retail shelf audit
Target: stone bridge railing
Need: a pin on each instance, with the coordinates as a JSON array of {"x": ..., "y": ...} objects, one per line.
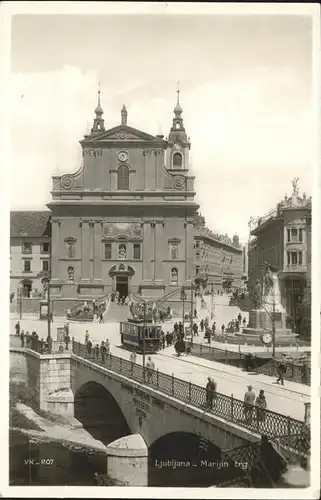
[{"x": 227, "y": 407}]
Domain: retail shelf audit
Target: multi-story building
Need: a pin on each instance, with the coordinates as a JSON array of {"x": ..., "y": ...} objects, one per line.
[
  {"x": 217, "y": 259},
  {"x": 30, "y": 240},
  {"x": 282, "y": 239},
  {"x": 124, "y": 221}
]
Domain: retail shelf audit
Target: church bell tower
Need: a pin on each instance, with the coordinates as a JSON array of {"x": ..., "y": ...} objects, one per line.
[{"x": 177, "y": 158}]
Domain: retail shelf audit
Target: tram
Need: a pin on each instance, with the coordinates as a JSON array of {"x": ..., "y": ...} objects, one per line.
[{"x": 132, "y": 336}]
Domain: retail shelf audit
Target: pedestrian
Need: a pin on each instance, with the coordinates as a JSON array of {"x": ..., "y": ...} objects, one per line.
[
  {"x": 202, "y": 325},
  {"x": 101, "y": 318},
  {"x": 249, "y": 398},
  {"x": 244, "y": 321},
  {"x": 89, "y": 348},
  {"x": 17, "y": 327},
  {"x": 239, "y": 318},
  {"x": 261, "y": 406},
  {"x": 223, "y": 329},
  {"x": 214, "y": 328},
  {"x": 210, "y": 392},
  {"x": 162, "y": 340},
  {"x": 107, "y": 345},
  {"x": 180, "y": 328},
  {"x": 168, "y": 339},
  {"x": 49, "y": 344},
  {"x": 150, "y": 367},
  {"x": 103, "y": 351},
  {"x": 281, "y": 370},
  {"x": 175, "y": 327},
  {"x": 96, "y": 351},
  {"x": 132, "y": 359},
  {"x": 67, "y": 341},
  {"x": 195, "y": 329},
  {"x": 22, "y": 338},
  {"x": 86, "y": 337},
  {"x": 195, "y": 313}
]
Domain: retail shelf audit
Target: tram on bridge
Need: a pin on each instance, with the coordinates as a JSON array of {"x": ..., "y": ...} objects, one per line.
[{"x": 134, "y": 334}]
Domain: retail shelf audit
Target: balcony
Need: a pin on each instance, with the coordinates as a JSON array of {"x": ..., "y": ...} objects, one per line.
[{"x": 293, "y": 270}]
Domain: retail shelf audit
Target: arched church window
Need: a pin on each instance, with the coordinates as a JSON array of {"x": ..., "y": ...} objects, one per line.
[
  {"x": 177, "y": 160},
  {"x": 174, "y": 276},
  {"x": 123, "y": 177},
  {"x": 122, "y": 251}
]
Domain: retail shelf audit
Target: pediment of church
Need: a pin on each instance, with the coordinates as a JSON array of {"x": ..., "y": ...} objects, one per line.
[{"x": 121, "y": 134}]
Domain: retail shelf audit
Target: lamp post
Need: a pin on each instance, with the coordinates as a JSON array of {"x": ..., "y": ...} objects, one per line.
[
  {"x": 273, "y": 329},
  {"x": 183, "y": 298},
  {"x": 49, "y": 308},
  {"x": 192, "y": 312},
  {"x": 144, "y": 337},
  {"x": 212, "y": 302}
]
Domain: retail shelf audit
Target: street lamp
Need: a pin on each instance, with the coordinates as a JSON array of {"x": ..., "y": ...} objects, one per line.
[
  {"x": 144, "y": 337},
  {"x": 183, "y": 299},
  {"x": 212, "y": 302}
]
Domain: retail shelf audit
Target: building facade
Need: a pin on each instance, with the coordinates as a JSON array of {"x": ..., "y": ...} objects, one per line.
[
  {"x": 30, "y": 241},
  {"x": 124, "y": 221},
  {"x": 282, "y": 239},
  {"x": 217, "y": 260}
]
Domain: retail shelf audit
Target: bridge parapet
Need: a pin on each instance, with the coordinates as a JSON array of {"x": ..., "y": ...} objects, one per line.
[{"x": 226, "y": 407}]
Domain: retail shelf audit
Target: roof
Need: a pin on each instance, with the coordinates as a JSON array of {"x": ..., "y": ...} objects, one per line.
[{"x": 32, "y": 224}]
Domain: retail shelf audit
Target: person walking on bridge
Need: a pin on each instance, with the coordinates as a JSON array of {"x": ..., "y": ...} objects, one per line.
[
  {"x": 103, "y": 351},
  {"x": 86, "y": 337},
  {"x": 210, "y": 392},
  {"x": 249, "y": 399},
  {"x": 150, "y": 367},
  {"x": 261, "y": 406}
]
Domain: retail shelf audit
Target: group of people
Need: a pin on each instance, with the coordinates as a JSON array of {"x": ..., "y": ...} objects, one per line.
[
  {"x": 96, "y": 351},
  {"x": 252, "y": 403},
  {"x": 32, "y": 340}
]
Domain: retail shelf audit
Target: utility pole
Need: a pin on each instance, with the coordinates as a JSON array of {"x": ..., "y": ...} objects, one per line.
[
  {"x": 20, "y": 289},
  {"x": 192, "y": 312},
  {"x": 183, "y": 297},
  {"x": 144, "y": 337},
  {"x": 212, "y": 302},
  {"x": 273, "y": 329}
]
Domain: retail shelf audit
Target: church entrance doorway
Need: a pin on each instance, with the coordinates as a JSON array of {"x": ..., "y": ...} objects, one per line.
[{"x": 122, "y": 285}]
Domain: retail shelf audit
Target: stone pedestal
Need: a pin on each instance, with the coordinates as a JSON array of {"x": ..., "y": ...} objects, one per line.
[{"x": 127, "y": 461}]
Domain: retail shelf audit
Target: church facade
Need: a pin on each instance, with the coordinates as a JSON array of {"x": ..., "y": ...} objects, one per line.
[{"x": 124, "y": 221}]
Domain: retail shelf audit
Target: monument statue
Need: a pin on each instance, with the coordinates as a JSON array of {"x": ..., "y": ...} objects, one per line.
[
  {"x": 295, "y": 185},
  {"x": 272, "y": 292}
]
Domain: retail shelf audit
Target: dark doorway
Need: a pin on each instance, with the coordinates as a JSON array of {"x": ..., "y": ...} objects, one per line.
[{"x": 122, "y": 285}]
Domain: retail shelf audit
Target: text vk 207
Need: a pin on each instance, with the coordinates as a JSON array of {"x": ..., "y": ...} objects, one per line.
[{"x": 42, "y": 461}]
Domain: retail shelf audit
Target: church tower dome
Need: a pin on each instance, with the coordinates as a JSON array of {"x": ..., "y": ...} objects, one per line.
[
  {"x": 98, "y": 125},
  {"x": 178, "y": 142}
]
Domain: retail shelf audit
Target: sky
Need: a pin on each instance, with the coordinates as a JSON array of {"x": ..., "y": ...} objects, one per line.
[{"x": 245, "y": 83}]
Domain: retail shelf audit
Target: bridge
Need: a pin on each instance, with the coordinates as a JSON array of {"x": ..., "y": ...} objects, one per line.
[{"x": 162, "y": 421}]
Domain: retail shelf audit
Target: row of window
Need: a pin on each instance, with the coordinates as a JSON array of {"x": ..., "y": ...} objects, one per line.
[
  {"x": 27, "y": 247},
  {"x": 122, "y": 251},
  {"x": 295, "y": 235},
  {"x": 294, "y": 258},
  {"x": 27, "y": 266}
]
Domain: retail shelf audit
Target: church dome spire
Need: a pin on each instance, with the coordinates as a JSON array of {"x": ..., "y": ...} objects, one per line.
[
  {"x": 98, "y": 125},
  {"x": 177, "y": 133},
  {"x": 178, "y": 110}
]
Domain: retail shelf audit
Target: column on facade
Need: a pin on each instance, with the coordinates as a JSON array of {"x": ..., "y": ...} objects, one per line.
[
  {"x": 285, "y": 253},
  {"x": 158, "y": 247},
  {"x": 189, "y": 241},
  {"x": 97, "y": 251},
  {"x": 55, "y": 247},
  {"x": 148, "y": 249},
  {"x": 85, "y": 249}
]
